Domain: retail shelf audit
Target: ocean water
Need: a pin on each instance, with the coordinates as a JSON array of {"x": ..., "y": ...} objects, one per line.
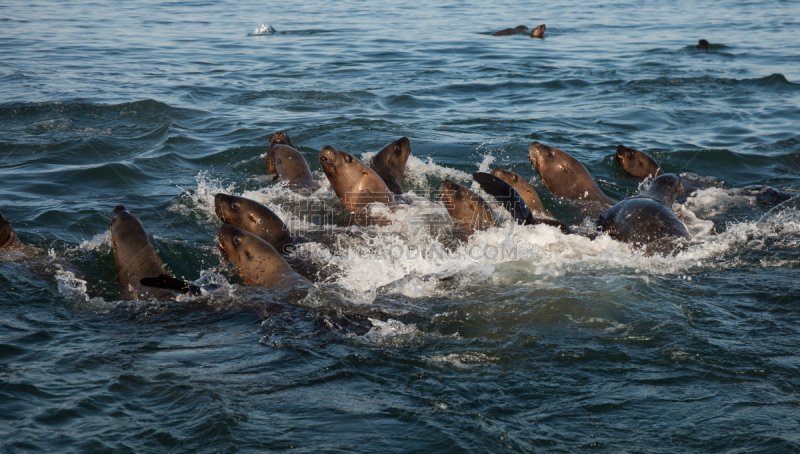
[{"x": 535, "y": 341}]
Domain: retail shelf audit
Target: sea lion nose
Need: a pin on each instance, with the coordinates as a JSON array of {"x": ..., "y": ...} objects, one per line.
[{"x": 118, "y": 209}]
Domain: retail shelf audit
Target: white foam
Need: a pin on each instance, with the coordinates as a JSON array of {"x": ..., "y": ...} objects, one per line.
[
  {"x": 412, "y": 254},
  {"x": 418, "y": 171},
  {"x": 264, "y": 29},
  {"x": 100, "y": 239},
  {"x": 463, "y": 360},
  {"x": 711, "y": 202},
  {"x": 69, "y": 285}
]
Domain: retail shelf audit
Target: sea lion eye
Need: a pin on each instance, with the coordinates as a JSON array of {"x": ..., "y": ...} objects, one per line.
[
  {"x": 253, "y": 218},
  {"x": 396, "y": 149},
  {"x": 514, "y": 178},
  {"x": 235, "y": 206},
  {"x": 550, "y": 153},
  {"x": 630, "y": 153},
  {"x": 237, "y": 240},
  {"x": 348, "y": 159}
]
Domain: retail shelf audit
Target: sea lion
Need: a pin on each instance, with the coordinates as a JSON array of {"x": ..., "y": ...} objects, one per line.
[
  {"x": 134, "y": 255},
  {"x": 525, "y": 190},
  {"x": 292, "y": 168},
  {"x": 355, "y": 184},
  {"x": 390, "y": 163},
  {"x": 277, "y": 138},
  {"x": 508, "y": 196},
  {"x": 638, "y": 164},
  {"x": 467, "y": 207},
  {"x": 565, "y": 175},
  {"x": 8, "y": 239},
  {"x": 511, "y": 31},
  {"x": 704, "y": 45},
  {"x": 254, "y": 217},
  {"x": 256, "y": 262},
  {"x": 765, "y": 195},
  {"x": 647, "y": 220},
  {"x": 538, "y": 31}
]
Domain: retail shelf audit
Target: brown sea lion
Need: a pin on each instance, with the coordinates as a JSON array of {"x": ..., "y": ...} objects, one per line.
[
  {"x": 254, "y": 217},
  {"x": 8, "y": 239},
  {"x": 277, "y": 138},
  {"x": 134, "y": 256},
  {"x": 511, "y": 31},
  {"x": 637, "y": 163},
  {"x": 647, "y": 220},
  {"x": 467, "y": 207},
  {"x": 390, "y": 163},
  {"x": 565, "y": 175},
  {"x": 704, "y": 45},
  {"x": 292, "y": 168},
  {"x": 538, "y": 31},
  {"x": 256, "y": 262},
  {"x": 511, "y": 200},
  {"x": 355, "y": 184},
  {"x": 525, "y": 190}
]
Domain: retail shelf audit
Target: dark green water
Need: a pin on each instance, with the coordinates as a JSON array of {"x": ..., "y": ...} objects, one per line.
[{"x": 540, "y": 342}]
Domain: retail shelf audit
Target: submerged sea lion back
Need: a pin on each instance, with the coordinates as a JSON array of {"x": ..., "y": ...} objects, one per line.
[{"x": 647, "y": 220}]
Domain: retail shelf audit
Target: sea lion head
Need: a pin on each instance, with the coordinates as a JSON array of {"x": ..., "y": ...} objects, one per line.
[
  {"x": 390, "y": 163},
  {"x": 256, "y": 261},
  {"x": 538, "y": 31},
  {"x": 134, "y": 255},
  {"x": 127, "y": 233},
  {"x": 8, "y": 238},
  {"x": 277, "y": 138},
  {"x": 122, "y": 223},
  {"x": 637, "y": 163},
  {"x": 253, "y": 217},
  {"x": 336, "y": 163},
  {"x": 704, "y": 45},
  {"x": 544, "y": 157},
  {"x": 235, "y": 245},
  {"x": 664, "y": 189},
  {"x": 505, "y": 175},
  {"x": 355, "y": 184},
  {"x": 515, "y": 181},
  {"x": 398, "y": 152},
  {"x": 237, "y": 211},
  {"x": 467, "y": 206},
  {"x": 524, "y": 189}
]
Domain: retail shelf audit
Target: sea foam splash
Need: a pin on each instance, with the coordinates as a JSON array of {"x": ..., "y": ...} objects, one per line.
[{"x": 410, "y": 258}]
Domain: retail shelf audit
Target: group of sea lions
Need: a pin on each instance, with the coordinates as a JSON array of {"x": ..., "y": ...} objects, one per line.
[
  {"x": 258, "y": 243},
  {"x": 537, "y": 32}
]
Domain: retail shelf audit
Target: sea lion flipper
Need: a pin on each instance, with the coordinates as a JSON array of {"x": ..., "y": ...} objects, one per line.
[
  {"x": 167, "y": 282},
  {"x": 505, "y": 194},
  {"x": 533, "y": 220}
]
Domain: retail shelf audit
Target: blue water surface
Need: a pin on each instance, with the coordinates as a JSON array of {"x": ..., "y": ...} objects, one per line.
[{"x": 518, "y": 339}]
